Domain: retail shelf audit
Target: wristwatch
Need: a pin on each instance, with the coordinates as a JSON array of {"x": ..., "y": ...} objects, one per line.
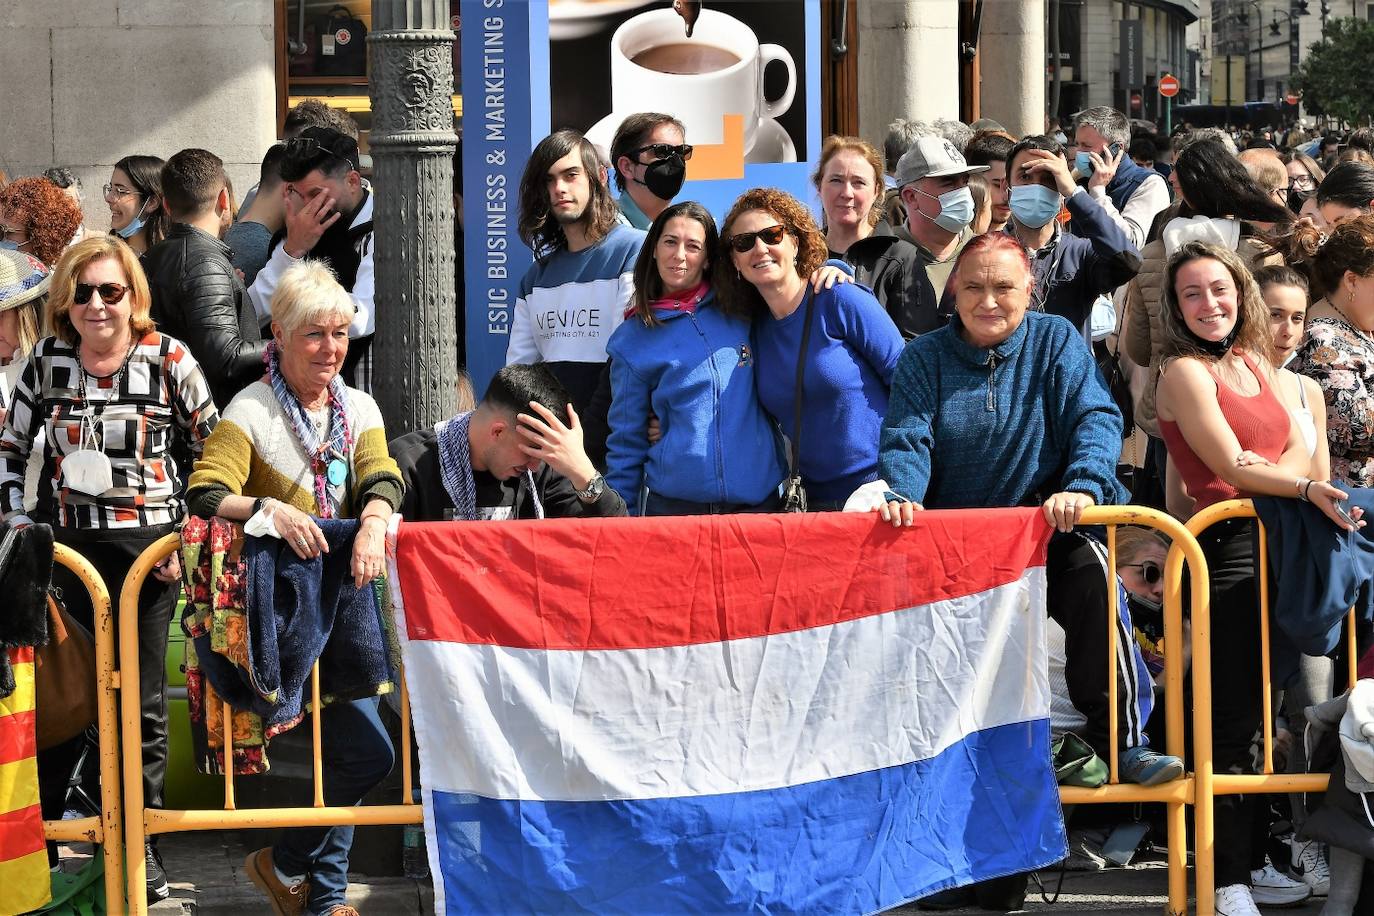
[{"x": 595, "y": 487}]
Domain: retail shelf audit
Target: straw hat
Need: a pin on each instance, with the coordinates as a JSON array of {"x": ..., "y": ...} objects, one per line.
[{"x": 23, "y": 278}]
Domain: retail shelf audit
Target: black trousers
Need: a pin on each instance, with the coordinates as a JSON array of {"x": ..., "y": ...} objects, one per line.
[
  {"x": 1237, "y": 706},
  {"x": 112, "y": 553},
  {"x": 1076, "y": 586}
]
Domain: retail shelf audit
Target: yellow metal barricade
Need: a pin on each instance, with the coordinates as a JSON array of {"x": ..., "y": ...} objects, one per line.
[
  {"x": 1210, "y": 784},
  {"x": 142, "y": 823},
  {"x": 1180, "y": 792},
  {"x": 106, "y": 830}
]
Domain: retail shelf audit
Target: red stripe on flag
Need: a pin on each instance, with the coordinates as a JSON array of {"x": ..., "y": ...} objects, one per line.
[
  {"x": 655, "y": 582},
  {"x": 21, "y": 832},
  {"x": 17, "y": 740},
  {"x": 20, "y": 655}
]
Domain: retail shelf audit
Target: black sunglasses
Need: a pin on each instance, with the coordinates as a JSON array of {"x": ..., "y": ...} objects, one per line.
[
  {"x": 664, "y": 150},
  {"x": 110, "y": 293},
  {"x": 744, "y": 241},
  {"x": 1149, "y": 571},
  {"x": 301, "y": 149}
]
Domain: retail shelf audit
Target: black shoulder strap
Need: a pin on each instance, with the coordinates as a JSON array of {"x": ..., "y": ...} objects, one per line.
[{"x": 794, "y": 453}]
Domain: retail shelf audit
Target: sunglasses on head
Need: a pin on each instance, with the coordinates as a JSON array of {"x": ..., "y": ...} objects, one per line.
[
  {"x": 301, "y": 149},
  {"x": 110, "y": 293},
  {"x": 664, "y": 150},
  {"x": 1149, "y": 571},
  {"x": 744, "y": 241}
]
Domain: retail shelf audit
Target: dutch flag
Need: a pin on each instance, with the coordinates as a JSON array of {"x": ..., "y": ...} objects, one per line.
[{"x": 726, "y": 714}]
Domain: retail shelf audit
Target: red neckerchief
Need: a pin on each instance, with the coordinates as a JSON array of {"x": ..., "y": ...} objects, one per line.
[{"x": 685, "y": 300}]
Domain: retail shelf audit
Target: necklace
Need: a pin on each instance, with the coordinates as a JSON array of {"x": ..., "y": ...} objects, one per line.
[{"x": 1364, "y": 335}]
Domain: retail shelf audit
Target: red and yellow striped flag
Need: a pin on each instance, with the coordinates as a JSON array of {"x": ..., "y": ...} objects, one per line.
[{"x": 25, "y": 883}]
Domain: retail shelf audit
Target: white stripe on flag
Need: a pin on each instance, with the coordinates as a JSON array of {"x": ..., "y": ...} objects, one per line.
[{"x": 744, "y": 715}]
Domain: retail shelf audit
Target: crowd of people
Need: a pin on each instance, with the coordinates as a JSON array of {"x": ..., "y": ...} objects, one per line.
[{"x": 1077, "y": 318}]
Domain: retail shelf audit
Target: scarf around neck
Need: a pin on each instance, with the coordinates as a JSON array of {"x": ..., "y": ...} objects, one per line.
[
  {"x": 455, "y": 468},
  {"x": 329, "y": 457},
  {"x": 684, "y": 300}
]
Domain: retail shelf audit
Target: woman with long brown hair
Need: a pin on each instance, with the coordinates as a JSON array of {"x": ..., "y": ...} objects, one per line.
[{"x": 1217, "y": 410}]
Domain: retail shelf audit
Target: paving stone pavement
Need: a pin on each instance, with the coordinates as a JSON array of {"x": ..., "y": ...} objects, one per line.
[{"x": 207, "y": 879}]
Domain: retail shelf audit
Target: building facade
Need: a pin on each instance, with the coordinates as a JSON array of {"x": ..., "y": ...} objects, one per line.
[{"x": 1091, "y": 41}]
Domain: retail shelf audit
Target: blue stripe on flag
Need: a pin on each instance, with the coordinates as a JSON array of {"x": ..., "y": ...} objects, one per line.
[{"x": 854, "y": 844}]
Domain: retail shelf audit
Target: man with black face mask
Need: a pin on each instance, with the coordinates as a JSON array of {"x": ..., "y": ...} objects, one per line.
[{"x": 649, "y": 155}]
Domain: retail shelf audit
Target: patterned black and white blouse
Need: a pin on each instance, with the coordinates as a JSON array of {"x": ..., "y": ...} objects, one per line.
[{"x": 160, "y": 392}]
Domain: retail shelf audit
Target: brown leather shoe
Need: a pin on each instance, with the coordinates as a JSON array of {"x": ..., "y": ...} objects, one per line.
[{"x": 286, "y": 900}]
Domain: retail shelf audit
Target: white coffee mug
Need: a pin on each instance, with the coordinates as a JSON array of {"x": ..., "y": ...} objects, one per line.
[{"x": 699, "y": 100}]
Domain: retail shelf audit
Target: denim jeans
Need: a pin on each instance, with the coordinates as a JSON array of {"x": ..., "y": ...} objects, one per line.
[
  {"x": 655, "y": 504},
  {"x": 356, "y": 755}
]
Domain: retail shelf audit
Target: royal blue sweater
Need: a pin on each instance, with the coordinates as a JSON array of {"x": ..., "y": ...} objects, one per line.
[
  {"x": 970, "y": 427},
  {"x": 695, "y": 372},
  {"x": 849, "y": 363}
]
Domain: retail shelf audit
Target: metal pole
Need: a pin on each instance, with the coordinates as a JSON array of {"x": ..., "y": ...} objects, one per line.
[{"x": 412, "y": 142}]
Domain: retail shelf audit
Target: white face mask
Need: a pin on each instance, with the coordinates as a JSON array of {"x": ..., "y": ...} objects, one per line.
[{"x": 87, "y": 470}]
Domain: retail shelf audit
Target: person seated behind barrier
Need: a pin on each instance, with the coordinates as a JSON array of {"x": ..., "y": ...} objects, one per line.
[
  {"x": 297, "y": 444},
  {"x": 1217, "y": 411},
  {"x": 771, "y": 245},
  {"x": 105, "y": 400},
  {"x": 679, "y": 358},
  {"x": 518, "y": 455},
  {"x": 1005, "y": 407}
]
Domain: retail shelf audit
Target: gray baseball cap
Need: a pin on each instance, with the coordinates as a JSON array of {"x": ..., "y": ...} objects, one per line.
[{"x": 932, "y": 157}]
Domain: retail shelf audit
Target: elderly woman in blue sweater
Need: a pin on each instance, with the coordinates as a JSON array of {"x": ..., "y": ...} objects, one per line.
[
  {"x": 846, "y": 344},
  {"x": 1005, "y": 407}
]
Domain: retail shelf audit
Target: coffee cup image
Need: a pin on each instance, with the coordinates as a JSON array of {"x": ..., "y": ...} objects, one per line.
[{"x": 703, "y": 79}]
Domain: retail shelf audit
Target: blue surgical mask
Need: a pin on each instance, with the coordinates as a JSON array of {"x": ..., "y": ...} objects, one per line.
[
  {"x": 135, "y": 224},
  {"x": 956, "y": 209},
  {"x": 7, "y": 245},
  {"x": 1083, "y": 163},
  {"x": 1034, "y": 205}
]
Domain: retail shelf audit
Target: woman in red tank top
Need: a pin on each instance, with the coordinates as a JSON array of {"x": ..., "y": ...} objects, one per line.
[{"x": 1229, "y": 435}]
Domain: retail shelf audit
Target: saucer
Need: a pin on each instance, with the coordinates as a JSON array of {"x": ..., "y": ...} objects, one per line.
[
  {"x": 771, "y": 142},
  {"x": 580, "y": 18}
]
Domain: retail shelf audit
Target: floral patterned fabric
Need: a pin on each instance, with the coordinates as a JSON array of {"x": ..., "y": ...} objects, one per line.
[
  {"x": 216, "y": 607},
  {"x": 1341, "y": 360}
]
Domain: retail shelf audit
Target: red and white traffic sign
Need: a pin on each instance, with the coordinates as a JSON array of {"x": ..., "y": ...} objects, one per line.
[{"x": 1168, "y": 86}]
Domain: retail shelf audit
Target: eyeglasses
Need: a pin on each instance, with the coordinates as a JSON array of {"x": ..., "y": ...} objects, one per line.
[
  {"x": 117, "y": 191},
  {"x": 1304, "y": 183},
  {"x": 744, "y": 241},
  {"x": 110, "y": 293},
  {"x": 7, "y": 231},
  {"x": 1149, "y": 571},
  {"x": 664, "y": 150}
]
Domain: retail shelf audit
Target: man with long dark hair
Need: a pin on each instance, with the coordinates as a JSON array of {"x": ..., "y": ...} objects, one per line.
[{"x": 576, "y": 292}]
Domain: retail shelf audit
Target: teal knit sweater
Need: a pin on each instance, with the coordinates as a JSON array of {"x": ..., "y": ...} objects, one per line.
[{"x": 969, "y": 427}]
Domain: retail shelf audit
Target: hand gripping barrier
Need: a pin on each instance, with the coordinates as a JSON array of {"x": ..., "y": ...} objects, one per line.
[
  {"x": 1210, "y": 784},
  {"x": 1179, "y": 792},
  {"x": 106, "y": 829},
  {"x": 142, "y": 823}
]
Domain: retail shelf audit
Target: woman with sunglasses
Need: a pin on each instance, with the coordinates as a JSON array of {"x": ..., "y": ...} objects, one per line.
[
  {"x": 134, "y": 196},
  {"x": 837, "y": 345},
  {"x": 109, "y": 398}
]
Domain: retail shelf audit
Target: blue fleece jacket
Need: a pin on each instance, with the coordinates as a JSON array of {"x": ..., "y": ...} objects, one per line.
[
  {"x": 970, "y": 427},
  {"x": 695, "y": 372},
  {"x": 849, "y": 363}
]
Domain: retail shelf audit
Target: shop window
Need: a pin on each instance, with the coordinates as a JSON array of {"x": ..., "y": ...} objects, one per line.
[{"x": 322, "y": 53}]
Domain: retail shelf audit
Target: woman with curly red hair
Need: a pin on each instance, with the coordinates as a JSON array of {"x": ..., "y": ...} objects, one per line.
[
  {"x": 37, "y": 218},
  {"x": 836, "y": 346}
]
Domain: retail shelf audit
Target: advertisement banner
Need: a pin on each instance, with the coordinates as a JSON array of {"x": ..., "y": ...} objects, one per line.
[{"x": 745, "y": 85}]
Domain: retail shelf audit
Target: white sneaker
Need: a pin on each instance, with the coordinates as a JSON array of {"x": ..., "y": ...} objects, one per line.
[
  {"x": 1235, "y": 900},
  {"x": 1310, "y": 864},
  {"x": 1270, "y": 887}
]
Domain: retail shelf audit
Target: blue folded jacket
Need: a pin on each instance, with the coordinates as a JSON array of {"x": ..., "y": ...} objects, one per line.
[
  {"x": 1319, "y": 572},
  {"x": 300, "y": 611}
]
